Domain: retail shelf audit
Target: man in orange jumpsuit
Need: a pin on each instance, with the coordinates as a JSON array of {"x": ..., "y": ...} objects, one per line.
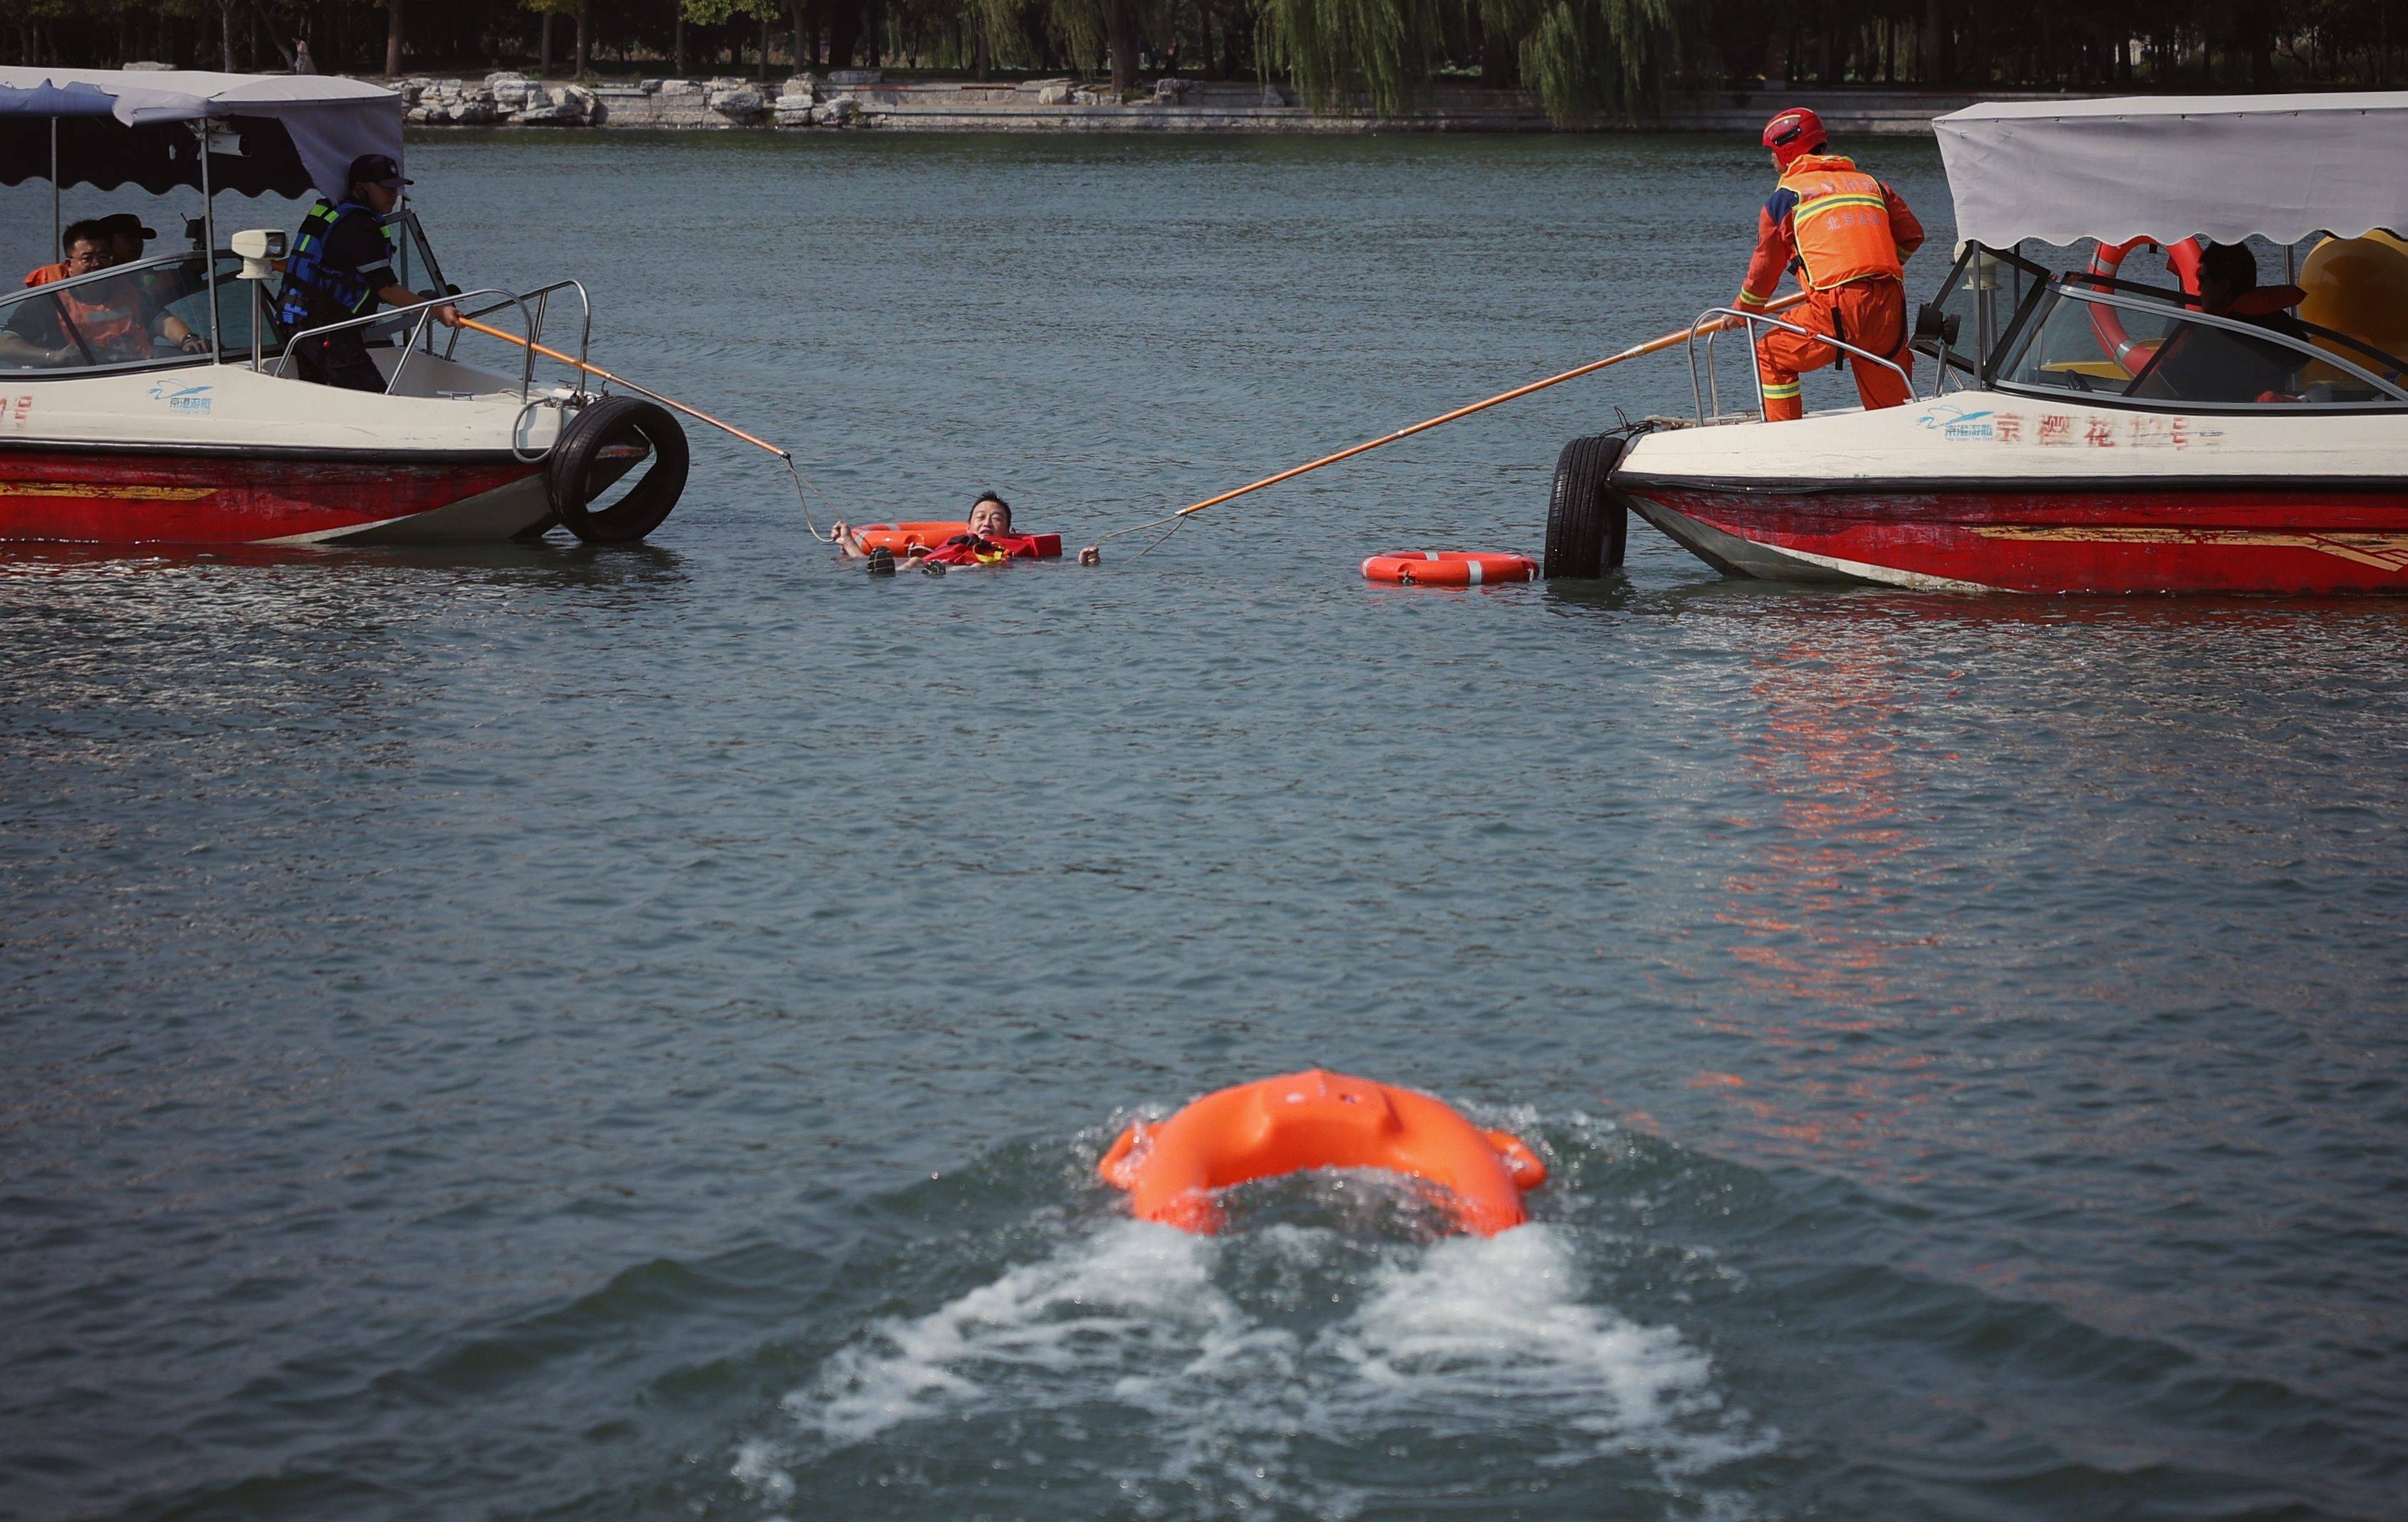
[{"x": 1848, "y": 237}]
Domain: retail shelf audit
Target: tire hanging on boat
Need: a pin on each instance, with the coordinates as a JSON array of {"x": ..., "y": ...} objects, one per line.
[
  {"x": 597, "y": 446},
  {"x": 1587, "y": 528}
]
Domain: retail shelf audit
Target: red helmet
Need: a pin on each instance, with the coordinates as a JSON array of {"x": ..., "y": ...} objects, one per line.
[{"x": 1794, "y": 132}]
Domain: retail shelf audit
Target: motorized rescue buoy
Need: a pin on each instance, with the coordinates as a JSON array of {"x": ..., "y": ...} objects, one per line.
[
  {"x": 1317, "y": 1119},
  {"x": 2182, "y": 260},
  {"x": 599, "y": 445},
  {"x": 1449, "y": 567}
]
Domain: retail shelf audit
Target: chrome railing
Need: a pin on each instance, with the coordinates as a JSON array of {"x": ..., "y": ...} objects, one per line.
[
  {"x": 541, "y": 295},
  {"x": 424, "y": 313},
  {"x": 1711, "y": 388}
]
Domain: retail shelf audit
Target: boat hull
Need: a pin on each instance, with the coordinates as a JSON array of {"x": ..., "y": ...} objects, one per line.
[
  {"x": 2272, "y": 537},
  {"x": 1985, "y": 491},
  {"x": 130, "y": 497}
]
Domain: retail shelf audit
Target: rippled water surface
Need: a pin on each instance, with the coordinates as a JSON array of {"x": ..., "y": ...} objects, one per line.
[{"x": 579, "y": 1034}]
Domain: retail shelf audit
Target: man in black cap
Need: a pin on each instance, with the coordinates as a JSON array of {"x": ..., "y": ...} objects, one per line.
[{"x": 341, "y": 266}]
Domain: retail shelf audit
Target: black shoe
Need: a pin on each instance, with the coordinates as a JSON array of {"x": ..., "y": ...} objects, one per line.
[
  {"x": 881, "y": 562},
  {"x": 931, "y": 567}
]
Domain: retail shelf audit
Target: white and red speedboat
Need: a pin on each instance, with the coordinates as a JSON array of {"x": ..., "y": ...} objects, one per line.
[
  {"x": 123, "y": 438},
  {"x": 2087, "y": 431}
]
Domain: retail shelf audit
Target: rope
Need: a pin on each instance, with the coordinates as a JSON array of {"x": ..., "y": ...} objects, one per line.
[
  {"x": 1677, "y": 337},
  {"x": 801, "y": 498},
  {"x": 1157, "y": 544}
]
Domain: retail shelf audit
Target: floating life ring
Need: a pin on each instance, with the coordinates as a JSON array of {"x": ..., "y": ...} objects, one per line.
[
  {"x": 2182, "y": 260},
  {"x": 1448, "y": 567},
  {"x": 1316, "y": 1119}
]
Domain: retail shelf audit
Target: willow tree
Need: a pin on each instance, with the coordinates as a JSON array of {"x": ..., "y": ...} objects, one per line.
[
  {"x": 1582, "y": 58},
  {"x": 1028, "y": 34},
  {"x": 1348, "y": 54}
]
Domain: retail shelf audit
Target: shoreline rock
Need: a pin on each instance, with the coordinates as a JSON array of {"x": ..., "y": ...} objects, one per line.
[{"x": 856, "y": 99}]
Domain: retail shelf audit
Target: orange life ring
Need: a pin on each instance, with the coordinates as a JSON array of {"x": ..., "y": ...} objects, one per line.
[
  {"x": 1449, "y": 567},
  {"x": 1316, "y": 1119},
  {"x": 2182, "y": 260}
]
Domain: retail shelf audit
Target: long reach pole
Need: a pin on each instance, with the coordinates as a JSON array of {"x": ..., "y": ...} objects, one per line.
[
  {"x": 621, "y": 380},
  {"x": 1669, "y": 341}
]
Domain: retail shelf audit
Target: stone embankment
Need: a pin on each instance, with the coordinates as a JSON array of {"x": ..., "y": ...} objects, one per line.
[{"x": 865, "y": 98}]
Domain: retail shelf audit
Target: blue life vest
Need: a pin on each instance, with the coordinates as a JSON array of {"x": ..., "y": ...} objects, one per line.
[{"x": 315, "y": 291}]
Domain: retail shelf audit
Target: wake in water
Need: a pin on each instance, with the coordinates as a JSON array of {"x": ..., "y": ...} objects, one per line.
[{"x": 1292, "y": 1368}]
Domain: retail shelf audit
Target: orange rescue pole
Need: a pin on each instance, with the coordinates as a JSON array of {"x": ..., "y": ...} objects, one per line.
[
  {"x": 621, "y": 380},
  {"x": 1651, "y": 346}
]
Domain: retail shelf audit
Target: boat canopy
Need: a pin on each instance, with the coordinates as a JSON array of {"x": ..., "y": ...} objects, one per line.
[
  {"x": 289, "y": 133},
  {"x": 2221, "y": 166}
]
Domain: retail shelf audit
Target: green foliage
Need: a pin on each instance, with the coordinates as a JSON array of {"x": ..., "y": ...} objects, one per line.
[
  {"x": 1355, "y": 54},
  {"x": 713, "y": 13},
  {"x": 1586, "y": 59}
]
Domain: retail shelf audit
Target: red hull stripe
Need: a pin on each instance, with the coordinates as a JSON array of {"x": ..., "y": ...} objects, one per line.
[
  {"x": 84, "y": 498},
  {"x": 2147, "y": 540}
]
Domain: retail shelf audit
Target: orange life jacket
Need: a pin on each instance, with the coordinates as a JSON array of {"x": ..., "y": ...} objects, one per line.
[
  {"x": 108, "y": 318},
  {"x": 46, "y": 274},
  {"x": 1840, "y": 223},
  {"x": 994, "y": 550}
]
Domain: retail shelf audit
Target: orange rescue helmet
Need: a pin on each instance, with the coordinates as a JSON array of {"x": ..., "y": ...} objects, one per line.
[{"x": 1793, "y": 133}]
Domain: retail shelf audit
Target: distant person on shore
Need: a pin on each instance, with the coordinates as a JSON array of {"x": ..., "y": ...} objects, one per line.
[
  {"x": 302, "y": 62},
  {"x": 340, "y": 268},
  {"x": 988, "y": 541},
  {"x": 1848, "y": 236}
]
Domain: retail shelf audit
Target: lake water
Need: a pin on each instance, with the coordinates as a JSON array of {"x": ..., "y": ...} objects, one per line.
[{"x": 550, "y": 1032}]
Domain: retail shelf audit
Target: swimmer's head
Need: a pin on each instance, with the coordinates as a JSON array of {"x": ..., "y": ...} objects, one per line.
[{"x": 990, "y": 515}]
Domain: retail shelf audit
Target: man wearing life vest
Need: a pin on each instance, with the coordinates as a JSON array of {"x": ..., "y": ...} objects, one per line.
[
  {"x": 988, "y": 541},
  {"x": 341, "y": 267},
  {"x": 94, "y": 323},
  {"x": 1848, "y": 237}
]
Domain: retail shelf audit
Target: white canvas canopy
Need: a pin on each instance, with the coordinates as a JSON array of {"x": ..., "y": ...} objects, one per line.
[
  {"x": 115, "y": 127},
  {"x": 2221, "y": 166}
]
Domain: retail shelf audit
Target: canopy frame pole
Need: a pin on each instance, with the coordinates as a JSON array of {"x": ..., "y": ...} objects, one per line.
[
  {"x": 209, "y": 248},
  {"x": 58, "y": 241}
]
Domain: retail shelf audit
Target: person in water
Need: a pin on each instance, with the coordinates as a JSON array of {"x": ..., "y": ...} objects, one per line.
[{"x": 988, "y": 540}]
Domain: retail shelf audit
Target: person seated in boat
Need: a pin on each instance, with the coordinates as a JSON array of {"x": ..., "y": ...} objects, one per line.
[
  {"x": 128, "y": 240},
  {"x": 2203, "y": 364},
  {"x": 103, "y": 323},
  {"x": 340, "y": 268},
  {"x": 987, "y": 541}
]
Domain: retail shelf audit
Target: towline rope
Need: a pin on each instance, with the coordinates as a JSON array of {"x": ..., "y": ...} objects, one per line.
[
  {"x": 801, "y": 499},
  {"x": 1651, "y": 346}
]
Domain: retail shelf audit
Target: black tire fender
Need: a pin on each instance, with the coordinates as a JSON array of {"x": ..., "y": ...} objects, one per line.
[
  {"x": 599, "y": 444},
  {"x": 1587, "y": 527}
]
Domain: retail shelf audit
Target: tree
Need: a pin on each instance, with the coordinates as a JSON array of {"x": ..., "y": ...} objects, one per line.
[{"x": 551, "y": 10}]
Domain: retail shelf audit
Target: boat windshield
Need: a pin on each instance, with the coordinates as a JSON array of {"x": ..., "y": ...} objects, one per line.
[
  {"x": 122, "y": 318},
  {"x": 2120, "y": 343}
]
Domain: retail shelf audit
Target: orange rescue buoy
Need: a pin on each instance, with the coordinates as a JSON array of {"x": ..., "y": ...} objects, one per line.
[
  {"x": 1316, "y": 1119},
  {"x": 918, "y": 538},
  {"x": 1449, "y": 567},
  {"x": 907, "y": 539}
]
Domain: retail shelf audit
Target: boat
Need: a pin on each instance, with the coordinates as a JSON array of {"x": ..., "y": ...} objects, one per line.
[
  {"x": 138, "y": 442},
  {"x": 2050, "y": 448}
]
